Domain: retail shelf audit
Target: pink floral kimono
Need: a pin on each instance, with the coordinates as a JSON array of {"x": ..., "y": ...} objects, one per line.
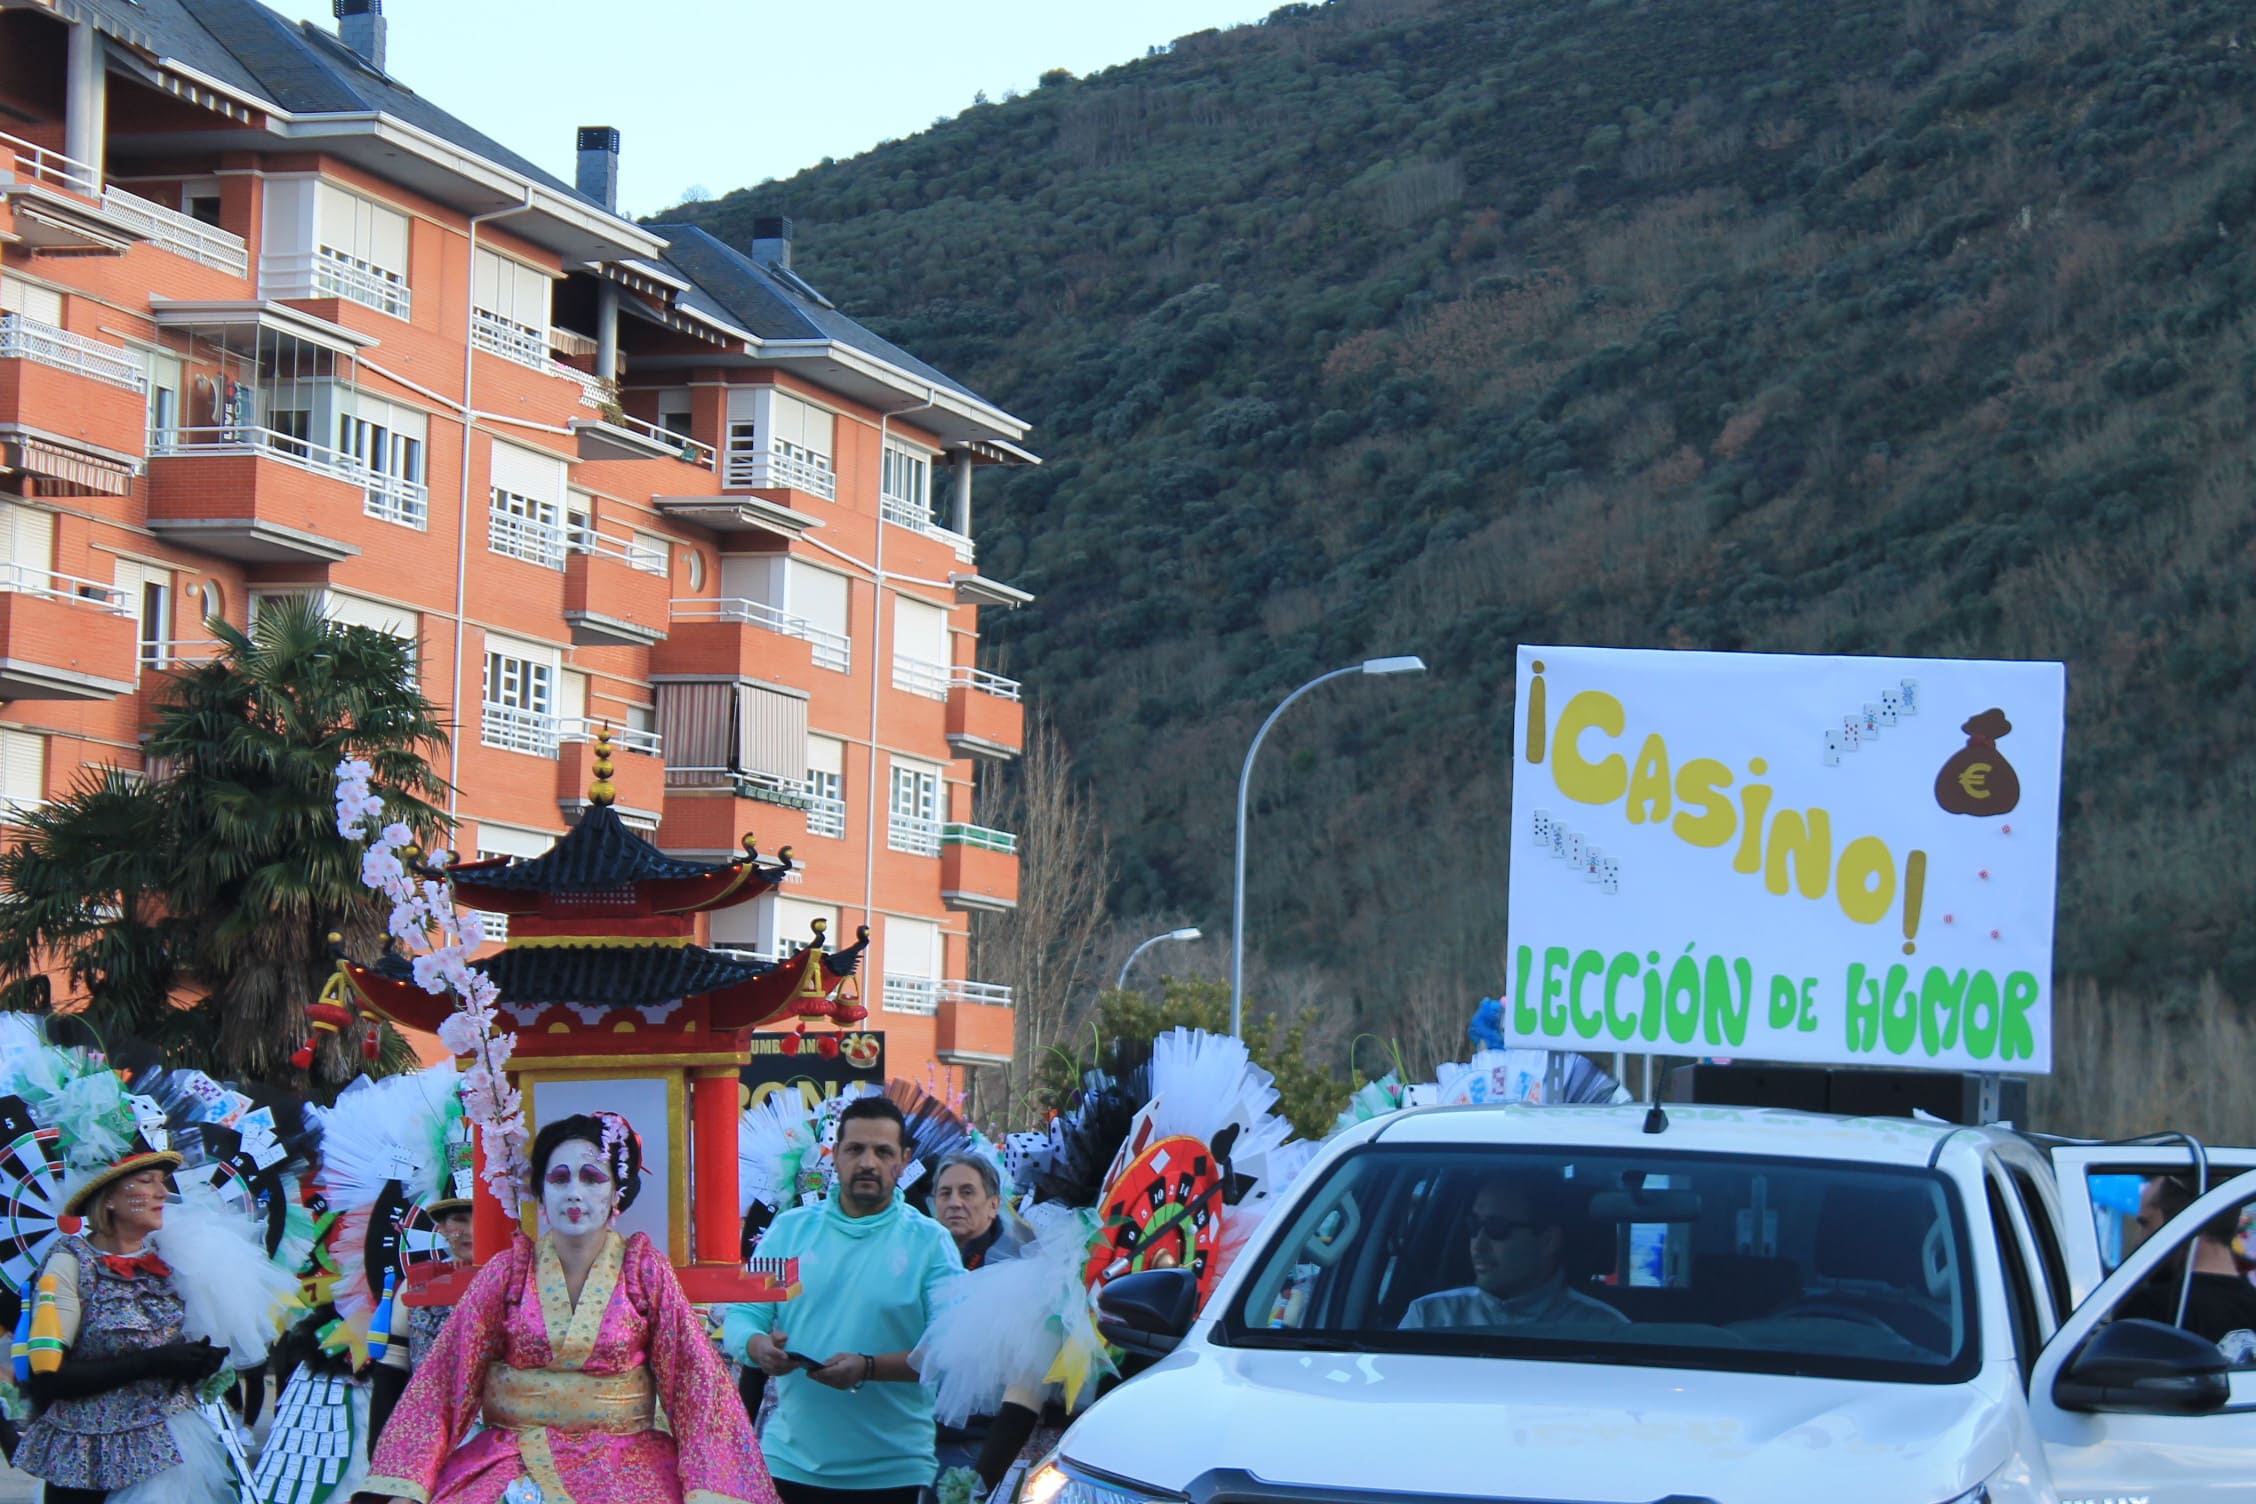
[{"x": 568, "y": 1394}]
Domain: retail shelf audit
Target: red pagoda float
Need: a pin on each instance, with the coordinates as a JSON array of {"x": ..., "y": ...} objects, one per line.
[{"x": 617, "y": 1007}]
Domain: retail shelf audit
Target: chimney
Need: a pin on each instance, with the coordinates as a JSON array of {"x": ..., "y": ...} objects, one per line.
[
  {"x": 599, "y": 165},
  {"x": 771, "y": 241},
  {"x": 360, "y": 26}
]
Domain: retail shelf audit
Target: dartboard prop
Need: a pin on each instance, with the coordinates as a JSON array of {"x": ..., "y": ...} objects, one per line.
[{"x": 31, "y": 1195}]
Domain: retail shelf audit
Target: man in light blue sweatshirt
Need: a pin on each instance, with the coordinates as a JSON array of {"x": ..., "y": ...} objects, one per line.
[{"x": 852, "y": 1423}]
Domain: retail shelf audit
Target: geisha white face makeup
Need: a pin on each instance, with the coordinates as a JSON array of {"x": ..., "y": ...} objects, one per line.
[{"x": 577, "y": 1192}]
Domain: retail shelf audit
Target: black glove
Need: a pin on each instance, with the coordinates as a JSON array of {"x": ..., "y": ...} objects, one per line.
[
  {"x": 82, "y": 1378},
  {"x": 1006, "y": 1435},
  {"x": 187, "y": 1362}
]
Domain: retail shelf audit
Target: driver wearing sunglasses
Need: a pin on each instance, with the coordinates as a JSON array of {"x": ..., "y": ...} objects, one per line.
[{"x": 1519, "y": 1278}]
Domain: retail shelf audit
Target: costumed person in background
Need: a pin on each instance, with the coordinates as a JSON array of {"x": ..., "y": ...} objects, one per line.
[
  {"x": 388, "y": 1152},
  {"x": 1168, "y": 1158},
  {"x": 139, "y": 1305},
  {"x": 564, "y": 1349},
  {"x": 451, "y": 1215}
]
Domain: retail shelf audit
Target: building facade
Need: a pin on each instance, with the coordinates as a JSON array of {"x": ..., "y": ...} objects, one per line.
[{"x": 272, "y": 324}]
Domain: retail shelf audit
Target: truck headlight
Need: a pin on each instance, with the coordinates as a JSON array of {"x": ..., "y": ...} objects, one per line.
[{"x": 1056, "y": 1481}]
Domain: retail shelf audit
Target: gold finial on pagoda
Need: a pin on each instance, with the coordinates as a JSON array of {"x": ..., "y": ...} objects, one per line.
[{"x": 602, "y": 791}]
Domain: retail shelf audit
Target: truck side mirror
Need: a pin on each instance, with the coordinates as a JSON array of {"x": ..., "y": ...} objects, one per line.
[
  {"x": 1148, "y": 1312},
  {"x": 2144, "y": 1367}
]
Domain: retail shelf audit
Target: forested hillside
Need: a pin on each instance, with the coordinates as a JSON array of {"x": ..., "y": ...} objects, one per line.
[{"x": 1389, "y": 326}]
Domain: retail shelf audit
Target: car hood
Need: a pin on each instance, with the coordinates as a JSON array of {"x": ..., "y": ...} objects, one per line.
[{"x": 1485, "y": 1427}]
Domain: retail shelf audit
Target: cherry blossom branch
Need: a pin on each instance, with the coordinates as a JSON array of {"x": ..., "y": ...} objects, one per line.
[{"x": 438, "y": 939}]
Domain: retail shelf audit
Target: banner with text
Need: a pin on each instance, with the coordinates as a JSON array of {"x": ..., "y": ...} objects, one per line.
[{"x": 1834, "y": 860}]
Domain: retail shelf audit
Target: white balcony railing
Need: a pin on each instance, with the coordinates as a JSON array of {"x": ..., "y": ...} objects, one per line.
[
  {"x": 51, "y": 167},
  {"x": 902, "y": 512},
  {"x": 207, "y": 245},
  {"x": 25, "y": 338},
  {"x": 516, "y": 730},
  {"x": 924, "y": 995},
  {"x": 642, "y": 556},
  {"x": 337, "y": 274},
  {"x": 192, "y": 652},
  {"x": 391, "y": 498},
  {"x": 595, "y": 392},
  {"x": 755, "y": 469},
  {"x": 20, "y": 579},
  {"x": 510, "y": 340},
  {"x": 833, "y": 650},
  {"x": 909, "y": 995},
  {"x": 918, "y": 677},
  {"x": 982, "y": 682},
  {"x": 826, "y": 816},
  {"x": 526, "y": 538},
  {"x": 913, "y": 834},
  {"x": 580, "y": 728},
  {"x": 957, "y": 833}
]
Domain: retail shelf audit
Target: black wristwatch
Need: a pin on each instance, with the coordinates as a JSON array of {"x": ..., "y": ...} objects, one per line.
[{"x": 869, "y": 1368}]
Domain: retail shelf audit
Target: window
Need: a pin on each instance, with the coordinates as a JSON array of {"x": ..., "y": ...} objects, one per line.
[
  {"x": 402, "y": 622},
  {"x": 913, "y": 823},
  {"x": 912, "y": 965},
  {"x": 387, "y": 439},
  {"x": 774, "y": 926},
  {"x": 164, "y": 399},
  {"x": 778, "y": 440},
  {"x": 1866, "y": 1272},
  {"x": 520, "y": 696},
  {"x": 211, "y": 600},
  {"x": 2020, "y": 1297},
  {"x": 41, "y": 304},
  {"x": 359, "y": 250},
  {"x": 920, "y": 648},
  {"x": 819, "y": 598},
  {"x": 905, "y": 487},
  {"x": 528, "y": 518},
  {"x": 510, "y": 314},
  {"x": 674, "y": 409},
  {"x": 203, "y": 208},
  {"x": 27, "y": 548},
  {"x": 146, "y": 592},
  {"x": 649, "y": 553},
  {"x": 826, "y": 787},
  {"x": 23, "y": 770},
  {"x": 2051, "y": 1262}
]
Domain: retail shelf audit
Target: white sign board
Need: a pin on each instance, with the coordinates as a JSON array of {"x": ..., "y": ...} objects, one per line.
[{"x": 1833, "y": 860}]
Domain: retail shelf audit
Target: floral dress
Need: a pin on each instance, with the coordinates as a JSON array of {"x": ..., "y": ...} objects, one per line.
[
  {"x": 569, "y": 1393},
  {"x": 117, "y": 1438}
]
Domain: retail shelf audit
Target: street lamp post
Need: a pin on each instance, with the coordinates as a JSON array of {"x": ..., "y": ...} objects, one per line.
[
  {"x": 1399, "y": 665},
  {"x": 1182, "y": 934}
]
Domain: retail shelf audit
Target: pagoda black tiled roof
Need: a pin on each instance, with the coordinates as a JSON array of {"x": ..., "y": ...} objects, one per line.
[
  {"x": 615, "y": 976},
  {"x": 598, "y": 853}
]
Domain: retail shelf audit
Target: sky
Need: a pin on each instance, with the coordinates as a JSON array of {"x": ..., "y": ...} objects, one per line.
[{"x": 723, "y": 94}]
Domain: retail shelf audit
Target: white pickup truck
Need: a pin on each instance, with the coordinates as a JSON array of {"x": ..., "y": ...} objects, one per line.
[{"x": 1731, "y": 1306}]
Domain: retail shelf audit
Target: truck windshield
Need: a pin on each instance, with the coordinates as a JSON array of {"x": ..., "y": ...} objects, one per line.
[{"x": 1761, "y": 1265}]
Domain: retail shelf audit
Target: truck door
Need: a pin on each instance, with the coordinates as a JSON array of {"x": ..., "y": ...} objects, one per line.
[
  {"x": 2075, "y": 1165},
  {"x": 2126, "y": 1445}
]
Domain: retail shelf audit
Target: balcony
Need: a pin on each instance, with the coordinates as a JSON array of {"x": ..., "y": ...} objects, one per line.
[
  {"x": 65, "y": 384},
  {"x": 515, "y": 729},
  {"x": 713, "y": 635},
  {"x": 986, "y": 714},
  {"x": 58, "y": 203},
  {"x": 63, "y": 638},
  {"x": 206, "y": 245},
  {"x": 620, "y": 436},
  {"x": 902, "y": 512},
  {"x": 917, "y": 677},
  {"x": 775, "y": 469},
  {"x": 638, "y": 772},
  {"x": 912, "y": 834},
  {"x": 977, "y": 1024},
  {"x": 746, "y": 783},
  {"x": 978, "y": 868},
  {"x": 259, "y": 496},
  {"x": 612, "y": 595}
]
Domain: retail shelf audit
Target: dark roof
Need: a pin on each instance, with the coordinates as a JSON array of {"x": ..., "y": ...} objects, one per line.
[
  {"x": 762, "y": 302},
  {"x": 599, "y": 852},
  {"x": 298, "y": 66},
  {"x": 615, "y": 976}
]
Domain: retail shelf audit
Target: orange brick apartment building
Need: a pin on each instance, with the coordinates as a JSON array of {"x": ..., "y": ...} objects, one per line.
[{"x": 270, "y": 323}]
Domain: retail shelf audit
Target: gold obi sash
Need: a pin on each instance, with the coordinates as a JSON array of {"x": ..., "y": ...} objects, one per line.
[{"x": 525, "y": 1399}]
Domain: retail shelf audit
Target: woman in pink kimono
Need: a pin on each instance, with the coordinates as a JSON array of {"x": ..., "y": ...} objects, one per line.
[{"x": 563, "y": 1350}]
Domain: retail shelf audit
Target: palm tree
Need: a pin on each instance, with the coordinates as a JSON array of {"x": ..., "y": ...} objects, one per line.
[{"x": 216, "y": 881}]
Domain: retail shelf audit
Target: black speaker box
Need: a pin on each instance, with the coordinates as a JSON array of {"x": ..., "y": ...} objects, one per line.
[{"x": 1953, "y": 1096}]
